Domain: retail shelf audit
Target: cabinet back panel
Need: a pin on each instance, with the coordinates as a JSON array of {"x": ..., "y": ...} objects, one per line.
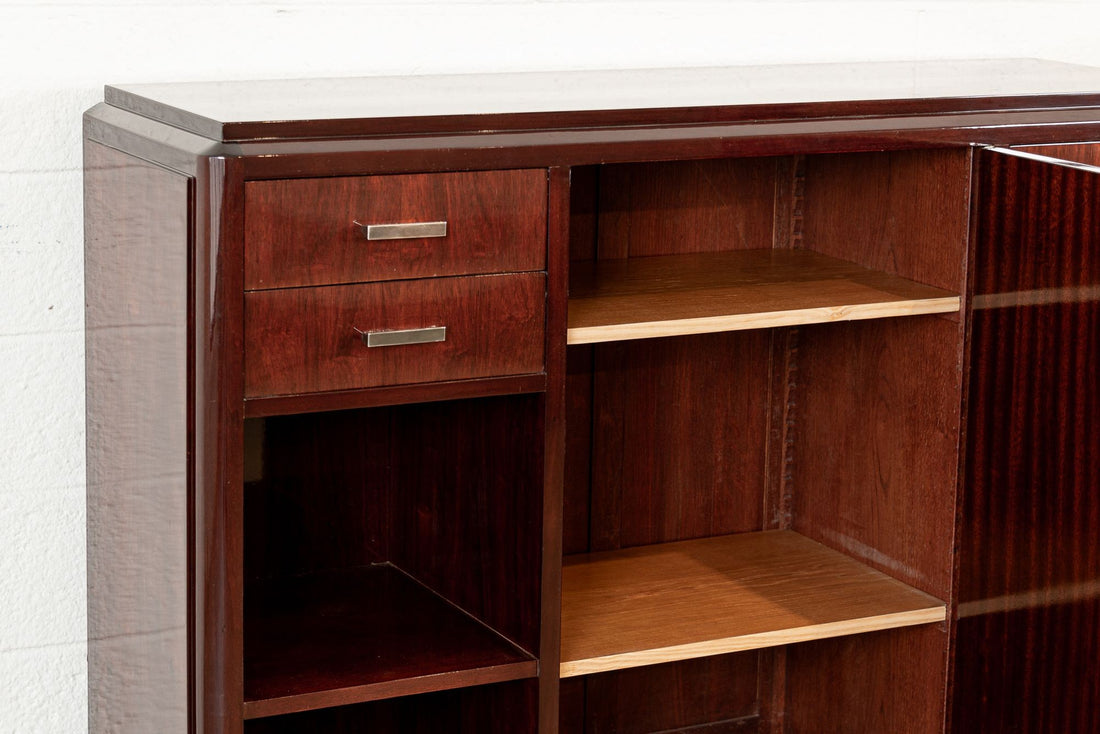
[
  {"x": 875, "y": 453},
  {"x": 679, "y": 435},
  {"x": 874, "y": 683},
  {"x": 449, "y": 492},
  {"x": 904, "y": 213},
  {"x": 690, "y": 695},
  {"x": 686, "y": 206}
]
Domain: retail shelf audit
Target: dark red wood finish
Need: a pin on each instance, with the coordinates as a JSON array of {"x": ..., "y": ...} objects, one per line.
[
  {"x": 679, "y": 432},
  {"x": 300, "y": 340},
  {"x": 678, "y": 207},
  {"x": 373, "y": 397},
  {"x": 362, "y": 634},
  {"x": 878, "y": 411},
  {"x": 875, "y": 683},
  {"x": 217, "y": 308},
  {"x": 714, "y": 695},
  {"x": 502, "y": 708},
  {"x": 554, "y": 446},
  {"x": 303, "y": 232},
  {"x": 347, "y": 488},
  {"x": 905, "y": 213},
  {"x": 1027, "y": 657},
  {"x": 448, "y": 492}
]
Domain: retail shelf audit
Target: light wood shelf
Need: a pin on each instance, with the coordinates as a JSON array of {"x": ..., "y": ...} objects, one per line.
[
  {"x": 674, "y": 295},
  {"x": 675, "y": 601}
]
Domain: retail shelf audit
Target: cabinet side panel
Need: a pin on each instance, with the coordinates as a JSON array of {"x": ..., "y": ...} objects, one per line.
[
  {"x": 715, "y": 695},
  {"x": 874, "y": 683},
  {"x": 1028, "y": 627},
  {"x": 875, "y": 461},
  {"x": 136, "y": 275},
  {"x": 903, "y": 213}
]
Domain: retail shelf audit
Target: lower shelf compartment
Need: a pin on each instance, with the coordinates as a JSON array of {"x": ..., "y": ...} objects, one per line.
[
  {"x": 690, "y": 599},
  {"x": 360, "y": 635}
]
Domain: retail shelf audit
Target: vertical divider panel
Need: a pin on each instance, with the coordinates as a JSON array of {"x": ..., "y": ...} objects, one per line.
[{"x": 558, "y": 226}]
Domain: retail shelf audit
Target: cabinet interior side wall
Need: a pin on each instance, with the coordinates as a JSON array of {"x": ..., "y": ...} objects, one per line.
[{"x": 809, "y": 427}]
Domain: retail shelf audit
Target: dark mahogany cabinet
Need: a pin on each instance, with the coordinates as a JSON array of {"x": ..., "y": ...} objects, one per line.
[{"x": 699, "y": 400}]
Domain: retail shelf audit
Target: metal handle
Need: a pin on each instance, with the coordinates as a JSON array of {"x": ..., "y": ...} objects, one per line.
[
  {"x": 397, "y": 338},
  {"x": 407, "y": 231}
]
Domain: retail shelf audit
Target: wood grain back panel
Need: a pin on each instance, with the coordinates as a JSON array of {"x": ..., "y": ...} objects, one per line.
[
  {"x": 714, "y": 695},
  {"x": 301, "y": 340},
  {"x": 686, "y": 206},
  {"x": 303, "y": 232},
  {"x": 448, "y": 492},
  {"x": 679, "y": 434}
]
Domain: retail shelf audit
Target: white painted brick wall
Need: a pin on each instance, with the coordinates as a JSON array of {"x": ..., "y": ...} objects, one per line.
[{"x": 55, "y": 57}]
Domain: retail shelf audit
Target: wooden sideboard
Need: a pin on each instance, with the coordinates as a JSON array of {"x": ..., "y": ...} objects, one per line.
[{"x": 697, "y": 400}]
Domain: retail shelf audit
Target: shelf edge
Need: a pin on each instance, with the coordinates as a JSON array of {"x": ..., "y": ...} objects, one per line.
[
  {"x": 450, "y": 680},
  {"x": 756, "y": 641},
  {"x": 766, "y": 320}
]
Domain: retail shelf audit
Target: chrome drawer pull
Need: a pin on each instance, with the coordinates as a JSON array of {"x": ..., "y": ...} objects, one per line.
[
  {"x": 408, "y": 231},
  {"x": 403, "y": 336}
]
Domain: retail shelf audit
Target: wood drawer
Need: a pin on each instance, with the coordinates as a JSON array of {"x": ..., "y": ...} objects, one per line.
[
  {"x": 303, "y": 340},
  {"x": 304, "y": 232}
]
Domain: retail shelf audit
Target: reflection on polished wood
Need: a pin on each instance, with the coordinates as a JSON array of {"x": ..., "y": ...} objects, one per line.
[
  {"x": 673, "y": 295},
  {"x": 693, "y": 598}
]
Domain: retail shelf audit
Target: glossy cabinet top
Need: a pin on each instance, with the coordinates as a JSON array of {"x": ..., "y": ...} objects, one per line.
[{"x": 295, "y": 108}]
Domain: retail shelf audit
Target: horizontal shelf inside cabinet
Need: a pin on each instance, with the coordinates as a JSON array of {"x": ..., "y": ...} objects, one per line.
[
  {"x": 359, "y": 635},
  {"x": 673, "y": 295},
  {"x": 690, "y": 599}
]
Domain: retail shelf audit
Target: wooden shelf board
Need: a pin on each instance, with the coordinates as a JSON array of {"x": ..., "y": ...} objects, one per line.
[
  {"x": 674, "y": 295},
  {"x": 372, "y": 397},
  {"x": 675, "y": 601},
  {"x": 361, "y": 635}
]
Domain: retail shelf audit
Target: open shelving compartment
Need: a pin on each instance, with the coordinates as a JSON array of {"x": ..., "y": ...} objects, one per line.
[
  {"x": 392, "y": 556},
  {"x": 763, "y": 417}
]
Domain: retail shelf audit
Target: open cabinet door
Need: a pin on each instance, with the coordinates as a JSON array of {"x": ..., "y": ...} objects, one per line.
[{"x": 1027, "y": 651}]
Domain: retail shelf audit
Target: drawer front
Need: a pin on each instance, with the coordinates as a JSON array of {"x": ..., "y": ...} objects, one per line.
[
  {"x": 304, "y": 340},
  {"x": 315, "y": 231}
]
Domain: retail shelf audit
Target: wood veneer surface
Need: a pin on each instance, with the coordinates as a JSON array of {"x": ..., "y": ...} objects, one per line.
[
  {"x": 672, "y": 295},
  {"x": 300, "y": 340},
  {"x": 498, "y": 708},
  {"x": 678, "y": 439},
  {"x": 363, "y": 634},
  {"x": 303, "y": 231},
  {"x": 239, "y": 110},
  {"x": 716, "y": 595},
  {"x": 1028, "y": 632}
]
